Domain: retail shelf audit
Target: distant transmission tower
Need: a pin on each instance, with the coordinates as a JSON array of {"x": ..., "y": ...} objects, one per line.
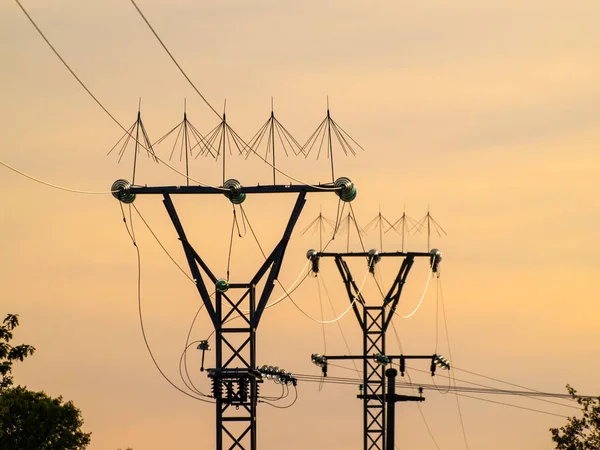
[{"x": 374, "y": 322}]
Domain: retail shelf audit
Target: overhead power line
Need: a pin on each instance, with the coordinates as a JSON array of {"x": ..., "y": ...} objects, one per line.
[
  {"x": 458, "y": 390},
  {"x": 173, "y": 59},
  {"x": 98, "y": 102},
  {"x": 131, "y": 232},
  {"x": 52, "y": 185}
]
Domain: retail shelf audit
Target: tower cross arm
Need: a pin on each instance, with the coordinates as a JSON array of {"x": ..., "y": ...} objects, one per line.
[
  {"x": 266, "y": 189},
  {"x": 366, "y": 254}
]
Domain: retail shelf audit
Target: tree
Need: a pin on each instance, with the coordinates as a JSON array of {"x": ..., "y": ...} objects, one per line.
[
  {"x": 33, "y": 420},
  {"x": 8, "y": 353},
  {"x": 580, "y": 433}
]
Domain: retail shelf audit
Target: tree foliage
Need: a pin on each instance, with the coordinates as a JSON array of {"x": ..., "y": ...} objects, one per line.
[
  {"x": 580, "y": 433},
  {"x": 8, "y": 353},
  {"x": 33, "y": 420}
]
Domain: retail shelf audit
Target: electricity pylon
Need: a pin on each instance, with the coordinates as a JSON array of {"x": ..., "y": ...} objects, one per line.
[
  {"x": 374, "y": 322},
  {"x": 235, "y": 376}
]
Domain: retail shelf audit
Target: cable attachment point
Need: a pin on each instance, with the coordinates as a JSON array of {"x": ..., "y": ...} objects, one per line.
[
  {"x": 374, "y": 258},
  {"x": 382, "y": 360},
  {"x": 121, "y": 191},
  {"x": 313, "y": 256},
  {"x": 235, "y": 194},
  {"x": 321, "y": 361},
  {"x": 435, "y": 259},
  {"x": 439, "y": 361},
  {"x": 222, "y": 285},
  {"x": 279, "y": 376},
  {"x": 346, "y": 189}
]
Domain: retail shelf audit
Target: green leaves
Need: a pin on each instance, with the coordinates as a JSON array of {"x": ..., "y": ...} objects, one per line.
[
  {"x": 34, "y": 421},
  {"x": 580, "y": 433},
  {"x": 8, "y": 353}
]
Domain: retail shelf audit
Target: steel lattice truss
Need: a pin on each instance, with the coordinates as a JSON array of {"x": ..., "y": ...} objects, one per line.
[
  {"x": 374, "y": 322},
  {"x": 235, "y": 378},
  {"x": 373, "y": 377}
]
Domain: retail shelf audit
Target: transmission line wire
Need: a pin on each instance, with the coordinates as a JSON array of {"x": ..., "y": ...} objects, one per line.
[
  {"x": 423, "y": 416},
  {"x": 283, "y": 407},
  {"x": 131, "y": 232},
  {"x": 322, "y": 317},
  {"x": 512, "y": 406},
  {"x": 318, "y": 379},
  {"x": 339, "y": 323},
  {"x": 435, "y": 387},
  {"x": 46, "y": 183},
  {"x": 462, "y": 424},
  {"x": 532, "y": 394},
  {"x": 173, "y": 59},
  {"x": 429, "y": 431},
  {"x": 99, "y": 103},
  {"x": 414, "y": 311},
  {"x": 161, "y": 244}
]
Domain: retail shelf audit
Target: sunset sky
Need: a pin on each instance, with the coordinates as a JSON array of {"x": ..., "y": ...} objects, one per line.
[{"x": 487, "y": 113}]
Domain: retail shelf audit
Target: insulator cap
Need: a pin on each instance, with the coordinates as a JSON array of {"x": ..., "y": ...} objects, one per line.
[
  {"x": 234, "y": 195},
  {"x": 374, "y": 255},
  {"x": 222, "y": 285},
  {"x": 346, "y": 189},
  {"x": 435, "y": 258},
  {"x": 121, "y": 191},
  {"x": 311, "y": 254},
  {"x": 435, "y": 253},
  {"x": 203, "y": 345}
]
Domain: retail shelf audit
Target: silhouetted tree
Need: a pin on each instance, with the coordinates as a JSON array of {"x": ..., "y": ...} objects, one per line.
[
  {"x": 8, "y": 353},
  {"x": 32, "y": 420},
  {"x": 580, "y": 433}
]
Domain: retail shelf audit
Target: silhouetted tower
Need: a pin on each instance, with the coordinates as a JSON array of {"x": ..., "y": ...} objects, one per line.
[
  {"x": 235, "y": 376},
  {"x": 374, "y": 321}
]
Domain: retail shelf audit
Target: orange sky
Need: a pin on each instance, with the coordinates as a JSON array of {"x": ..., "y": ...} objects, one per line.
[{"x": 488, "y": 112}]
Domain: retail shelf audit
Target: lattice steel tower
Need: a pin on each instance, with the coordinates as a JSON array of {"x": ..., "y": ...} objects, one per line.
[
  {"x": 235, "y": 376},
  {"x": 374, "y": 322}
]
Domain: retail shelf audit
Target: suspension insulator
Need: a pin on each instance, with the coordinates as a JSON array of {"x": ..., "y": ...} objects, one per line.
[
  {"x": 311, "y": 254},
  {"x": 313, "y": 257},
  {"x": 374, "y": 255},
  {"x": 435, "y": 259},
  {"x": 244, "y": 390},
  {"x": 121, "y": 191},
  {"x": 222, "y": 285},
  {"x": 373, "y": 259},
  {"x": 346, "y": 189},
  {"x": 229, "y": 390},
  {"x": 217, "y": 388},
  {"x": 235, "y": 194}
]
